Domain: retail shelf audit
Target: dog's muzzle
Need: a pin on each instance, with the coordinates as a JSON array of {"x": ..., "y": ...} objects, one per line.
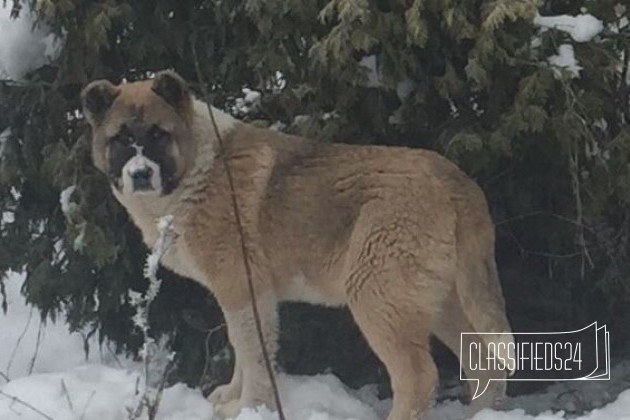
[
  {"x": 141, "y": 179},
  {"x": 141, "y": 175}
]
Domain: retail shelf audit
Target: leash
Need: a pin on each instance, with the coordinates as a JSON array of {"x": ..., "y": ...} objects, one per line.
[{"x": 241, "y": 234}]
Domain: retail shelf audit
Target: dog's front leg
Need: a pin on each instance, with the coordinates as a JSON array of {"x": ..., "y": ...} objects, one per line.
[
  {"x": 227, "y": 393},
  {"x": 256, "y": 386}
]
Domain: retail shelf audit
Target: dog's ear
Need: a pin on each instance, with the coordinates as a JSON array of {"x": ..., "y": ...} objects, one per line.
[
  {"x": 172, "y": 88},
  {"x": 97, "y": 98}
]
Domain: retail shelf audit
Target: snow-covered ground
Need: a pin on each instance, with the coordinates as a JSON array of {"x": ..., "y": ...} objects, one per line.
[{"x": 44, "y": 374}]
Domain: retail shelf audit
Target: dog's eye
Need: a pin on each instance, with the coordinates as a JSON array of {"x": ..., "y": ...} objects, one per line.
[
  {"x": 121, "y": 140},
  {"x": 159, "y": 135}
]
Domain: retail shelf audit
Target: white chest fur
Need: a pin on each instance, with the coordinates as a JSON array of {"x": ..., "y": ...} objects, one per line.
[
  {"x": 145, "y": 212},
  {"x": 179, "y": 259}
]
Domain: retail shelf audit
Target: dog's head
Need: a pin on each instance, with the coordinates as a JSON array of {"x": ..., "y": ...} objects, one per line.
[{"x": 141, "y": 132}]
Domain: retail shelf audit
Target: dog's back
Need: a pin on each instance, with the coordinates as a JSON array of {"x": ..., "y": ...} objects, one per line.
[{"x": 401, "y": 236}]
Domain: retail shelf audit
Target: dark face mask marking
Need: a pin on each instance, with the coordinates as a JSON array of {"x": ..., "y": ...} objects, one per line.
[{"x": 154, "y": 143}]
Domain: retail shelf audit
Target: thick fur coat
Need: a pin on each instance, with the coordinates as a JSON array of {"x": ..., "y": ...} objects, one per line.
[{"x": 400, "y": 236}]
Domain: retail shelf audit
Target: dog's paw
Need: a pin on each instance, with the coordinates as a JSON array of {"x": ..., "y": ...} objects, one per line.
[
  {"x": 229, "y": 409},
  {"x": 224, "y": 394}
]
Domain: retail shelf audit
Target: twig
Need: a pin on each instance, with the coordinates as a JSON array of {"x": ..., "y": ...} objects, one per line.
[
  {"x": 31, "y": 364},
  {"x": 623, "y": 86},
  {"x": 87, "y": 403},
  {"x": 153, "y": 405},
  {"x": 25, "y": 404},
  {"x": 545, "y": 213},
  {"x": 135, "y": 412},
  {"x": 151, "y": 396},
  {"x": 573, "y": 105},
  {"x": 241, "y": 234},
  {"x": 19, "y": 341},
  {"x": 86, "y": 341},
  {"x": 524, "y": 251},
  {"x": 113, "y": 354},
  {"x": 206, "y": 364},
  {"x": 64, "y": 390},
  {"x": 3, "y": 293},
  {"x": 574, "y": 161}
]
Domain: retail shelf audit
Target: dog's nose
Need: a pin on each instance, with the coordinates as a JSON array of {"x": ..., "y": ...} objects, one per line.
[{"x": 141, "y": 178}]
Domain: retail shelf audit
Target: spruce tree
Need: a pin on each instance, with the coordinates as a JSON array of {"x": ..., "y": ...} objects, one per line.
[{"x": 470, "y": 79}]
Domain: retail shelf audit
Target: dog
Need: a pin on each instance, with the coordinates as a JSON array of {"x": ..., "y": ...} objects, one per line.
[{"x": 400, "y": 236}]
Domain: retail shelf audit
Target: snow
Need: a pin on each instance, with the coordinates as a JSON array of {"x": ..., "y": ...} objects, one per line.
[
  {"x": 369, "y": 62},
  {"x": 623, "y": 22},
  {"x": 79, "y": 242},
  {"x": 396, "y": 117},
  {"x": 104, "y": 393},
  {"x": 404, "y": 88},
  {"x": 96, "y": 391},
  {"x": 164, "y": 241},
  {"x": 278, "y": 126},
  {"x": 156, "y": 355},
  {"x": 250, "y": 102},
  {"x": 454, "y": 110},
  {"x": 565, "y": 59},
  {"x": 22, "y": 48},
  {"x": 142, "y": 302},
  {"x": 8, "y": 217},
  {"x": 30, "y": 346},
  {"x": 276, "y": 83},
  {"x": 581, "y": 28},
  {"x": 301, "y": 119},
  {"x": 251, "y": 96},
  {"x": 62, "y": 384},
  {"x": 67, "y": 207}
]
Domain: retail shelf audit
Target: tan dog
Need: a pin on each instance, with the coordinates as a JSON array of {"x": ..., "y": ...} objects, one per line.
[{"x": 400, "y": 236}]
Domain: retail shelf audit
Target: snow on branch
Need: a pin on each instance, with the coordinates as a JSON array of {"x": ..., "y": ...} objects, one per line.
[
  {"x": 581, "y": 28},
  {"x": 164, "y": 241},
  {"x": 141, "y": 302},
  {"x": 67, "y": 206},
  {"x": 156, "y": 355},
  {"x": 24, "y": 46},
  {"x": 565, "y": 60}
]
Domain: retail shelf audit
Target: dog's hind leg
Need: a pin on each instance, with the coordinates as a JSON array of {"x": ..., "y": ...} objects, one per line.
[
  {"x": 396, "y": 327},
  {"x": 448, "y": 328}
]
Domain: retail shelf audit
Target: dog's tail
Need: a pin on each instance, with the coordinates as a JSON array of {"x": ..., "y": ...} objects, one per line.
[{"x": 478, "y": 286}]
